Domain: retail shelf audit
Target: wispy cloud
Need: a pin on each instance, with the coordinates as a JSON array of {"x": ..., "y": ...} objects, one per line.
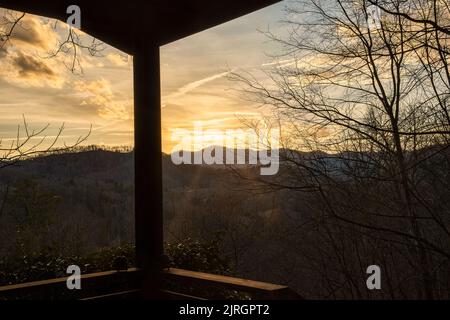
[
  {"x": 118, "y": 60},
  {"x": 31, "y": 32},
  {"x": 99, "y": 94},
  {"x": 25, "y": 70},
  {"x": 192, "y": 86},
  {"x": 280, "y": 63}
]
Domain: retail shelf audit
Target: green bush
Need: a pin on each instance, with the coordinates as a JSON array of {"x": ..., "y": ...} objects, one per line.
[
  {"x": 198, "y": 255},
  {"x": 188, "y": 254},
  {"x": 46, "y": 265}
]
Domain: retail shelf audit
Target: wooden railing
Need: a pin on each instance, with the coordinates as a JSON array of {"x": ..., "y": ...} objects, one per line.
[
  {"x": 93, "y": 284},
  {"x": 235, "y": 286},
  {"x": 178, "y": 284}
]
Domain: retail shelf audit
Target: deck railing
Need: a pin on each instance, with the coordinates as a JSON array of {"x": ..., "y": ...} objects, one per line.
[{"x": 178, "y": 284}]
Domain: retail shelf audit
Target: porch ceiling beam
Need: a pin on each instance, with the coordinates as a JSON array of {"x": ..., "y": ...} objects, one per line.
[{"x": 161, "y": 20}]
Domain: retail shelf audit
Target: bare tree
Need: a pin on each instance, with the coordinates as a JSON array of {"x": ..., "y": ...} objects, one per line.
[
  {"x": 72, "y": 44},
  {"x": 9, "y": 22},
  {"x": 29, "y": 143},
  {"x": 370, "y": 104}
]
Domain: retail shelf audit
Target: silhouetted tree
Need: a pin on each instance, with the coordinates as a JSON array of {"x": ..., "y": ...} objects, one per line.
[
  {"x": 369, "y": 102},
  {"x": 73, "y": 41}
]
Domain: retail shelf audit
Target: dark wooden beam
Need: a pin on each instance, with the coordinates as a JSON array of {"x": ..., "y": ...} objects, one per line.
[
  {"x": 165, "y": 21},
  {"x": 148, "y": 160}
]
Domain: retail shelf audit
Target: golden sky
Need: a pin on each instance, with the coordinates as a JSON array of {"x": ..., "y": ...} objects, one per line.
[{"x": 194, "y": 83}]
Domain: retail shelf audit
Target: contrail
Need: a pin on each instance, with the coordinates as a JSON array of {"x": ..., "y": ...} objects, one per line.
[{"x": 192, "y": 86}]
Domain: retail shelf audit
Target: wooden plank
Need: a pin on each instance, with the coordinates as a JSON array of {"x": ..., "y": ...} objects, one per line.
[
  {"x": 88, "y": 281},
  {"x": 225, "y": 281},
  {"x": 171, "y": 295},
  {"x": 56, "y": 281},
  {"x": 116, "y": 295},
  {"x": 122, "y": 283}
]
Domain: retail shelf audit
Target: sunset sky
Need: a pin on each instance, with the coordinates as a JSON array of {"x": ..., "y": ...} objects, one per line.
[{"x": 194, "y": 82}]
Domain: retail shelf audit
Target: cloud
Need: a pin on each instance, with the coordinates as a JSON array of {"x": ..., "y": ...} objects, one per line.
[
  {"x": 280, "y": 63},
  {"x": 20, "y": 62},
  {"x": 98, "y": 94},
  {"x": 29, "y": 66},
  {"x": 114, "y": 111},
  {"x": 192, "y": 86},
  {"x": 33, "y": 32},
  {"x": 117, "y": 59},
  {"x": 27, "y": 70},
  {"x": 3, "y": 52},
  {"x": 99, "y": 88}
]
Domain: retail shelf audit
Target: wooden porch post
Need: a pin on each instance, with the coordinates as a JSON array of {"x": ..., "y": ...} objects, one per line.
[{"x": 148, "y": 163}]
